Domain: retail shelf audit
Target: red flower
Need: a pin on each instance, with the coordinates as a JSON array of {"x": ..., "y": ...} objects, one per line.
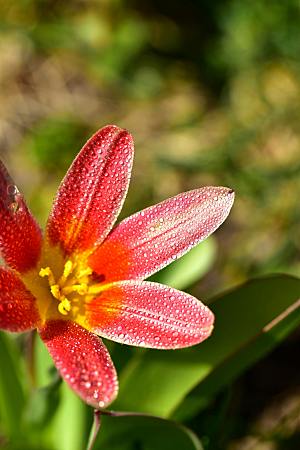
[{"x": 82, "y": 279}]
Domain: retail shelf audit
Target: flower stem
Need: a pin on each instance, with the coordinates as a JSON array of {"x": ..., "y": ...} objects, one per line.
[{"x": 95, "y": 429}]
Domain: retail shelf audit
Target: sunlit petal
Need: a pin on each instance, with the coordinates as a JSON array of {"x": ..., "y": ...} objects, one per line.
[
  {"x": 93, "y": 191},
  {"x": 147, "y": 241},
  {"x": 149, "y": 315}
]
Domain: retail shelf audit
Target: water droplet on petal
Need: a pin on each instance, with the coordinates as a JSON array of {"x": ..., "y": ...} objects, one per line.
[{"x": 14, "y": 198}]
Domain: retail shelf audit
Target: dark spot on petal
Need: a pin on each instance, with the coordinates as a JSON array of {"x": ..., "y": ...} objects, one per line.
[{"x": 98, "y": 277}]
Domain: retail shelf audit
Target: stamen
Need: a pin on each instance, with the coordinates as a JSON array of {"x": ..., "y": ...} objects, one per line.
[
  {"x": 97, "y": 288},
  {"x": 81, "y": 288},
  {"x": 64, "y": 306},
  {"x": 68, "y": 268},
  {"x": 47, "y": 272},
  {"x": 84, "y": 272},
  {"x": 70, "y": 284},
  {"x": 55, "y": 291}
]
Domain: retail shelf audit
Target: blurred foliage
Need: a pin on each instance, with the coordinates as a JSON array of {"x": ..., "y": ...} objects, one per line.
[{"x": 211, "y": 92}]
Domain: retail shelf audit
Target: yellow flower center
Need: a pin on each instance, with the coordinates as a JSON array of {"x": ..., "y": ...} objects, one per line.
[{"x": 71, "y": 286}]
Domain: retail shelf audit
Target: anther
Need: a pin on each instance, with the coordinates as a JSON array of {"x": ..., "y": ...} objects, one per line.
[
  {"x": 55, "y": 291},
  {"x": 68, "y": 268},
  {"x": 69, "y": 284},
  {"x": 47, "y": 272},
  {"x": 64, "y": 307}
]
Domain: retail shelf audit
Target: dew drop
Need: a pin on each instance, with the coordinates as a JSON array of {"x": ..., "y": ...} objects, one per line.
[
  {"x": 14, "y": 198},
  {"x": 12, "y": 190}
]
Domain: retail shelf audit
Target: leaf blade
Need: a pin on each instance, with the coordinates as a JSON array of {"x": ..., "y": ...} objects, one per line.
[
  {"x": 12, "y": 393},
  {"x": 147, "y": 432},
  {"x": 170, "y": 376}
]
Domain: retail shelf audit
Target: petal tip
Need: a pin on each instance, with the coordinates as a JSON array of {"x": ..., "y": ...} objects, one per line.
[
  {"x": 225, "y": 195},
  {"x": 111, "y": 128},
  {"x": 114, "y": 136},
  {"x": 92, "y": 193},
  {"x": 206, "y": 333},
  {"x": 227, "y": 191},
  {"x": 207, "y": 330},
  {"x": 231, "y": 193}
]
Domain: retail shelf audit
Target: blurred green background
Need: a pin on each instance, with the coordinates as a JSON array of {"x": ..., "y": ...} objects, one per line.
[{"x": 210, "y": 91}]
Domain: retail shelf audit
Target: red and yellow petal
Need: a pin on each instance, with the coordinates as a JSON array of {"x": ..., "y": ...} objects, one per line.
[
  {"x": 18, "y": 310},
  {"x": 83, "y": 361},
  {"x": 92, "y": 192},
  {"x": 149, "y": 314},
  {"x": 20, "y": 236},
  {"x": 149, "y": 240}
]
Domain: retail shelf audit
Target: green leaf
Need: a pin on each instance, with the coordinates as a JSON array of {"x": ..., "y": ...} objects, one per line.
[
  {"x": 156, "y": 382},
  {"x": 190, "y": 267},
  {"x": 69, "y": 425},
  {"x": 43, "y": 404},
  {"x": 271, "y": 335},
  {"x": 54, "y": 408},
  {"x": 144, "y": 432},
  {"x": 45, "y": 371},
  {"x": 12, "y": 395}
]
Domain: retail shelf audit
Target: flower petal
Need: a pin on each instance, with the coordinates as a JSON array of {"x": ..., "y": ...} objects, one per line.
[
  {"x": 18, "y": 311},
  {"x": 93, "y": 191},
  {"x": 82, "y": 360},
  {"x": 20, "y": 236},
  {"x": 149, "y": 314},
  {"x": 149, "y": 240}
]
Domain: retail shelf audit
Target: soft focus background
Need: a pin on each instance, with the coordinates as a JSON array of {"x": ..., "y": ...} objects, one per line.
[{"x": 210, "y": 91}]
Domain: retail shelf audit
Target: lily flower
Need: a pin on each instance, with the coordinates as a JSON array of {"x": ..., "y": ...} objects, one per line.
[{"x": 83, "y": 279}]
